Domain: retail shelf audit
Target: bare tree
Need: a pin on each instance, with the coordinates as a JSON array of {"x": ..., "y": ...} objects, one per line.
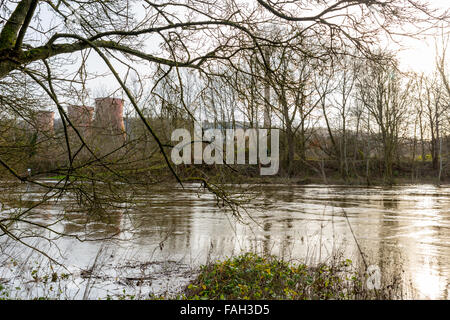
[
  {"x": 47, "y": 44},
  {"x": 386, "y": 98}
]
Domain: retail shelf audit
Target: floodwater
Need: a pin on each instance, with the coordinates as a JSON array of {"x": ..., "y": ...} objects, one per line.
[{"x": 403, "y": 230}]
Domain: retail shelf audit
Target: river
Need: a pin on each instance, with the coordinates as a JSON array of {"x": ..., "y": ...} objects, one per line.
[{"x": 404, "y": 230}]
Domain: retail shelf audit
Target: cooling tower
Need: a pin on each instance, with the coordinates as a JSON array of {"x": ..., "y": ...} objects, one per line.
[
  {"x": 108, "y": 124},
  {"x": 81, "y": 119},
  {"x": 80, "y": 116},
  {"x": 45, "y": 122}
]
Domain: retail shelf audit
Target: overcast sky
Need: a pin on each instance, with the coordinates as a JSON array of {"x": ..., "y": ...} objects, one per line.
[{"x": 414, "y": 54}]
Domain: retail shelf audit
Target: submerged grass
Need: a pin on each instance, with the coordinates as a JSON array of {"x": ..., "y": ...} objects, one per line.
[
  {"x": 248, "y": 276},
  {"x": 254, "y": 277}
]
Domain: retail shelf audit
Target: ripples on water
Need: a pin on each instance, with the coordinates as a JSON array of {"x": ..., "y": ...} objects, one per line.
[{"x": 404, "y": 227}]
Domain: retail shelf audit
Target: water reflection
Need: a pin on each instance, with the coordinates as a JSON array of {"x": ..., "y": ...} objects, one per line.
[{"x": 402, "y": 229}]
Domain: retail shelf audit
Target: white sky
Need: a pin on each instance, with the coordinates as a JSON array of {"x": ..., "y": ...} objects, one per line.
[
  {"x": 414, "y": 54},
  {"x": 419, "y": 55}
]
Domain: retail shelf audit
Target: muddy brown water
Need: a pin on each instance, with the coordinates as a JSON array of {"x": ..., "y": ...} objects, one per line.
[{"x": 404, "y": 230}]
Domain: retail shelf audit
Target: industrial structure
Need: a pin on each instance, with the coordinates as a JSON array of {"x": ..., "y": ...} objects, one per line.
[{"x": 101, "y": 127}]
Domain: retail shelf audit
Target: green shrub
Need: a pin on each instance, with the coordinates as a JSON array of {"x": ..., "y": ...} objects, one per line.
[{"x": 250, "y": 276}]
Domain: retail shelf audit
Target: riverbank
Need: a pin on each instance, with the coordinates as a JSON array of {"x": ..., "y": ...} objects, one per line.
[
  {"x": 313, "y": 173},
  {"x": 314, "y": 180}
]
